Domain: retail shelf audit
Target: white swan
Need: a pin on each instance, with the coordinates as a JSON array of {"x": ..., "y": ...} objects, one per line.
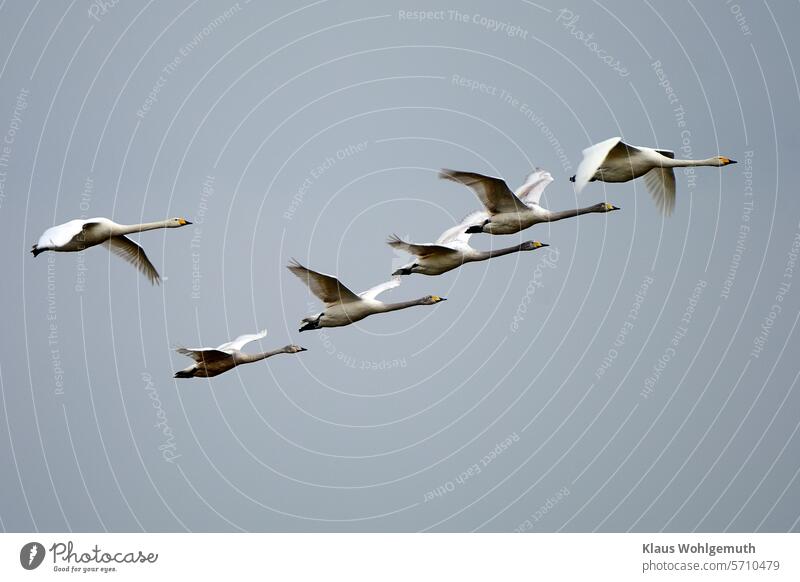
[
  {"x": 451, "y": 250},
  {"x": 77, "y": 235},
  {"x": 210, "y": 362},
  {"x": 509, "y": 212},
  {"x": 342, "y": 306},
  {"x": 613, "y": 160}
]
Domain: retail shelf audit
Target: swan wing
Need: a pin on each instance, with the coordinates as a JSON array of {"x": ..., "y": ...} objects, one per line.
[
  {"x": 61, "y": 234},
  {"x": 126, "y": 249},
  {"x": 660, "y": 182},
  {"x": 458, "y": 235},
  {"x": 242, "y": 341},
  {"x": 610, "y": 151},
  {"x": 418, "y": 249},
  {"x": 203, "y": 354},
  {"x": 621, "y": 152},
  {"x": 536, "y": 182},
  {"x": 326, "y": 287},
  {"x": 373, "y": 292},
  {"x": 493, "y": 192}
]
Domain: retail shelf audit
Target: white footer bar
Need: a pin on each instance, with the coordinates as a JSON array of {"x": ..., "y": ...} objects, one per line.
[{"x": 355, "y": 557}]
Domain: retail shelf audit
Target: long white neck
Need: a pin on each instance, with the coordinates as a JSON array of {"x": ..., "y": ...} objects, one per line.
[
  {"x": 561, "y": 214},
  {"x": 483, "y": 255},
  {"x": 670, "y": 163},
  {"x": 248, "y": 358},
  {"x": 131, "y": 228},
  {"x": 401, "y": 305}
]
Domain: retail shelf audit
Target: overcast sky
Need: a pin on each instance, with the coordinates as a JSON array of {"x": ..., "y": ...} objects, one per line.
[{"x": 638, "y": 374}]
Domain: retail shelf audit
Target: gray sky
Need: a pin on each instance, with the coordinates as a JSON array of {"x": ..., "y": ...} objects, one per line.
[{"x": 639, "y": 374}]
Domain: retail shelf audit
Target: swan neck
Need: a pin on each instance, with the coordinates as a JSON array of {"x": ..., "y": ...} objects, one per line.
[
  {"x": 571, "y": 213},
  {"x": 499, "y": 252},
  {"x": 690, "y": 163},
  {"x": 402, "y": 304},
  {"x": 132, "y": 228},
  {"x": 249, "y": 358}
]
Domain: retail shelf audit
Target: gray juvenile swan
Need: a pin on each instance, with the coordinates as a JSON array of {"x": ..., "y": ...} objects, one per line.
[
  {"x": 210, "y": 362},
  {"x": 451, "y": 250},
  {"x": 509, "y": 212},
  {"x": 342, "y": 306},
  {"x": 77, "y": 235},
  {"x": 613, "y": 160}
]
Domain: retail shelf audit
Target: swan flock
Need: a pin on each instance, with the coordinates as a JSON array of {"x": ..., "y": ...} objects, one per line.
[{"x": 504, "y": 211}]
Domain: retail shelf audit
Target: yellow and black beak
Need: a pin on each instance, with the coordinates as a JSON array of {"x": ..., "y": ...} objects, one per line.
[
  {"x": 725, "y": 161},
  {"x": 538, "y": 245},
  {"x": 610, "y": 207},
  {"x": 183, "y": 222},
  {"x": 436, "y": 298}
]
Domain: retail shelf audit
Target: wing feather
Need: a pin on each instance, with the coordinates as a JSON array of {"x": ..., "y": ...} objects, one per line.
[
  {"x": 62, "y": 234},
  {"x": 594, "y": 157},
  {"x": 242, "y": 340},
  {"x": 203, "y": 354},
  {"x": 126, "y": 249},
  {"x": 536, "y": 182},
  {"x": 660, "y": 182},
  {"x": 494, "y": 193},
  {"x": 373, "y": 292},
  {"x": 457, "y": 234},
  {"x": 420, "y": 250},
  {"x": 326, "y": 287}
]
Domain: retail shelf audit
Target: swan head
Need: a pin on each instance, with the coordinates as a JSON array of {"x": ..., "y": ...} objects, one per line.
[
  {"x": 432, "y": 299},
  {"x": 606, "y": 207},
  {"x": 532, "y": 245},
  {"x": 723, "y": 161},
  {"x": 293, "y": 349},
  {"x": 176, "y": 222}
]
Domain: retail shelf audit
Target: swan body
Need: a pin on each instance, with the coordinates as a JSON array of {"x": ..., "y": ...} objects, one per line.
[
  {"x": 342, "y": 306},
  {"x": 509, "y": 212},
  {"x": 613, "y": 160},
  {"x": 210, "y": 362},
  {"x": 451, "y": 250},
  {"x": 78, "y": 235}
]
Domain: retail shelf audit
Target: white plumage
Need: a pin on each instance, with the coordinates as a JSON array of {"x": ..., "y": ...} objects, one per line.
[{"x": 613, "y": 160}]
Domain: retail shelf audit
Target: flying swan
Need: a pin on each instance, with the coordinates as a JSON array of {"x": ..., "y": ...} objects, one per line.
[
  {"x": 342, "y": 306},
  {"x": 210, "y": 362},
  {"x": 451, "y": 250},
  {"x": 509, "y": 212},
  {"x": 613, "y": 160},
  {"x": 77, "y": 235}
]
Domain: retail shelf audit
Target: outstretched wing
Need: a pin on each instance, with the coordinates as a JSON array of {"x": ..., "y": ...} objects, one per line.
[
  {"x": 203, "y": 354},
  {"x": 373, "y": 292},
  {"x": 613, "y": 150},
  {"x": 242, "y": 341},
  {"x": 326, "y": 287},
  {"x": 420, "y": 250},
  {"x": 660, "y": 182},
  {"x": 536, "y": 182},
  {"x": 493, "y": 192},
  {"x": 458, "y": 235},
  {"x": 62, "y": 234},
  {"x": 125, "y": 248}
]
